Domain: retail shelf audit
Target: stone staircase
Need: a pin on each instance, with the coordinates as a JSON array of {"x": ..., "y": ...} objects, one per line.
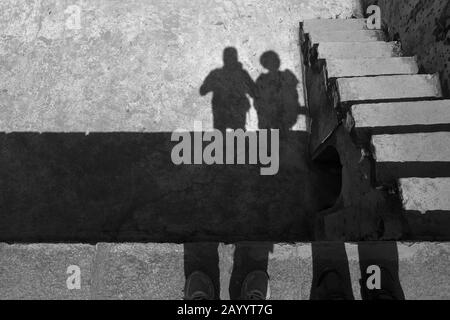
[{"x": 389, "y": 126}]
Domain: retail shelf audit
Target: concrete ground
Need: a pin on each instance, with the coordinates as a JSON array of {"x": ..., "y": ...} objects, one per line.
[
  {"x": 135, "y": 66},
  {"x": 157, "y": 271},
  {"x": 108, "y": 93}
]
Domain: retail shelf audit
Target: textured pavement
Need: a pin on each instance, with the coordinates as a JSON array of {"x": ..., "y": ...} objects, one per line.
[
  {"x": 135, "y": 65},
  {"x": 156, "y": 271},
  {"x": 107, "y": 95}
]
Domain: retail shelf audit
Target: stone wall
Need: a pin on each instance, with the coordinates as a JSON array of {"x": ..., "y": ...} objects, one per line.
[{"x": 423, "y": 26}]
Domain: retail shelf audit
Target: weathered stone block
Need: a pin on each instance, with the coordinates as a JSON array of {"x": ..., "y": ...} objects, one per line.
[
  {"x": 389, "y": 87},
  {"x": 415, "y": 147},
  {"x": 424, "y": 195},
  {"x": 400, "y": 114},
  {"x": 39, "y": 271},
  {"x": 339, "y": 68},
  {"x": 346, "y": 36},
  {"x": 424, "y": 269},
  {"x": 324, "y": 25},
  {"x": 358, "y": 50},
  {"x": 139, "y": 272}
]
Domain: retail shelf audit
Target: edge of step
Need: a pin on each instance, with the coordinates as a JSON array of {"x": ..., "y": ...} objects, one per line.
[
  {"x": 388, "y": 88},
  {"x": 349, "y": 68},
  {"x": 335, "y": 24},
  {"x": 357, "y": 49},
  {"x": 156, "y": 271},
  {"x": 377, "y": 116},
  {"x": 346, "y": 36},
  {"x": 425, "y": 194},
  {"x": 411, "y": 155},
  {"x": 412, "y": 147}
]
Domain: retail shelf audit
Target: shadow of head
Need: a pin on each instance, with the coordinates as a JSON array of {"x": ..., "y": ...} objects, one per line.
[
  {"x": 271, "y": 61},
  {"x": 230, "y": 57}
]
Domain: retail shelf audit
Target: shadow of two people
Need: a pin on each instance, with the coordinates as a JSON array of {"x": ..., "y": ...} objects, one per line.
[
  {"x": 277, "y": 105},
  {"x": 274, "y": 93}
]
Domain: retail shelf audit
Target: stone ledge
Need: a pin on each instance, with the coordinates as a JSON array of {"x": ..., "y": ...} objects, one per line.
[{"x": 155, "y": 271}]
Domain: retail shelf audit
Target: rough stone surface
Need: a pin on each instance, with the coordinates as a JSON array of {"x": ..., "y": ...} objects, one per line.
[
  {"x": 155, "y": 271},
  {"x": 130, "y": 76},
  {"x": 401, "y": 114},
  {"x": 338, "y": 68},
  {"x": 346, "y": 36},
  {"x": 124, "y": 187},
  {"x": 423, "y": 28},
  {"x": 290, "y": 271},
  {"x": 424, "y": 195},
  {"x": 415, "y": 147},
  {"x": 139, "y": 271},
  {"x": 328, "y": 25},
  {"x": 358, "y": 50},
  {"x": 419, "y": 284},
  {"x": 135, "y": 65},
  {"x": 389, "y": 87},
  {"x": 39, "y": 271}
]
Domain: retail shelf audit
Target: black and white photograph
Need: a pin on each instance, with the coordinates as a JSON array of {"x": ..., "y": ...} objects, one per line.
[{"x": 224, "y": 150}]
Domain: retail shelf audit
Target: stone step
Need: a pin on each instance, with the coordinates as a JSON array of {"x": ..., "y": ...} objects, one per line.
[
  {"x": 314, "y": 25},
  {"x": 346, "y": 36},
  {"x": 414, "y": 147},
  {"x": 427, "y": 205},
  {"x": 425, "y": 155},
  {"x": 389, "y": 88},
  {"x": 358, "y": 50},
  {"x": 425, "y": 194},
  {"x": 157, "y": 271},
  {"x": 411, "y": 114},
  {"x": 339, "y": 68}
]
